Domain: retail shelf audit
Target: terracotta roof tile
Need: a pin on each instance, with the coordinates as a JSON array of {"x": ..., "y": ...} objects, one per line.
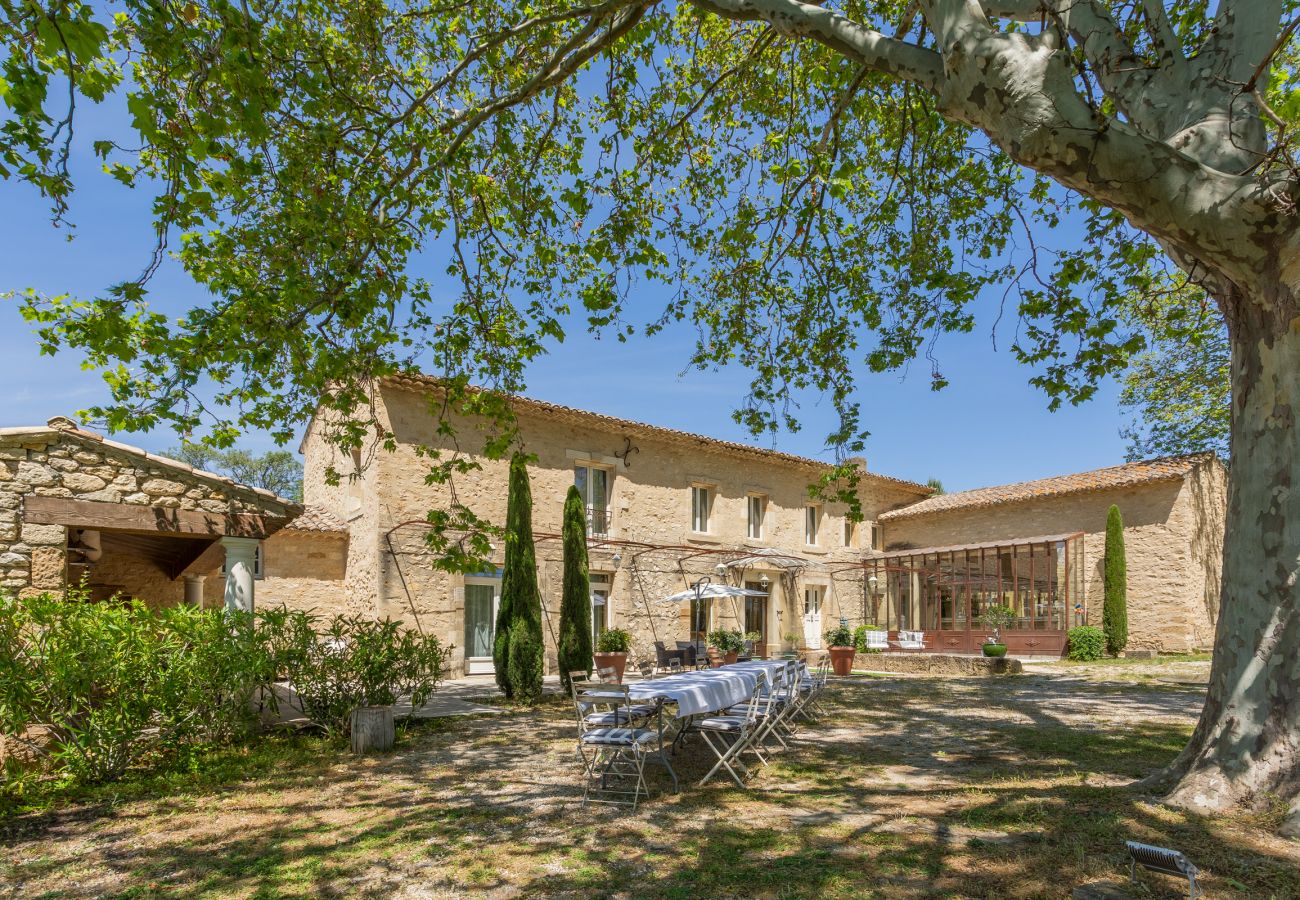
[
  {"x": 573, "y": 414},
  {"x": 1162, "y": 469},
  {"x": 317, "y": 519}
]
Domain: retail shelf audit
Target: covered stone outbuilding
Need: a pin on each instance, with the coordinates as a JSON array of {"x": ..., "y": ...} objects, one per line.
[{"x": 78, "y": 509}]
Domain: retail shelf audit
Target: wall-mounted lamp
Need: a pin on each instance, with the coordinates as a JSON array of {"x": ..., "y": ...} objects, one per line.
[
  {"x": 721, "y": 569},
  {"x": 872, "y": 582},
  {"x": 616, "y": 559},
  {"x": 764, "y": 580}
]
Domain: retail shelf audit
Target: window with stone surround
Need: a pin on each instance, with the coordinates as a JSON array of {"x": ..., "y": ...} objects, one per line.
[{"x": 701, "y": 507}]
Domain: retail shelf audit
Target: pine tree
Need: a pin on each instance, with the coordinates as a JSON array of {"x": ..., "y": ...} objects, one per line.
[
  {"x": 519, "y": 619},
  {"x": 1114, "y": 613},
  {"x": 575, "y": 601}
]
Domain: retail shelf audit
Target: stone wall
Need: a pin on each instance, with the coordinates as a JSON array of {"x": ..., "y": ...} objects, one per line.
[
  {"x": 79, "y": 465},
  {"x": 1173, "y": 541},
  {"x": 389, "y": 567}
]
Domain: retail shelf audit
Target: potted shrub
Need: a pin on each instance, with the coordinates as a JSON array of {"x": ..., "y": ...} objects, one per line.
[
  {"x": 611, "y": 650},
  {"x": 724, "y": 646},
  {"x": 839, "y": 641},
  {"x": 996, "y": 618},
  {"x": 792, "y": 645}
]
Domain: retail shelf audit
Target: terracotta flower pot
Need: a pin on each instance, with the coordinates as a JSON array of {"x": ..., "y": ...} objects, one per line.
[
  {"x": 730, "y": 657},
  {"x": 616, "y": 661},
  {"x": 842, "y": 660}
]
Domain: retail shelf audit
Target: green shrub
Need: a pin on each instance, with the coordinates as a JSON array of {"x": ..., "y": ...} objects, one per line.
[
  {"x": 996, "y": 618},
  {"x": 860, "y": 639},
  {"x": 613, "y": 640},
  {"x": 111, "y": 684},
  {"x": 521, "y": 600},
  {"x": 353, "y": 661},
  {"x": 573, "y": 649},
  {"x": 1114, "y": 612},
  {"x": 1086, "y": 643},
  {"x": 526, "y": 662},
  {"x": 727, "y": 640},
  {"x": 839, "y": 636}
]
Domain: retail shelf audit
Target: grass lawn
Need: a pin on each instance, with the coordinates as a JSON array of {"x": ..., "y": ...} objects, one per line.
[{"x": 909, "y": 787}]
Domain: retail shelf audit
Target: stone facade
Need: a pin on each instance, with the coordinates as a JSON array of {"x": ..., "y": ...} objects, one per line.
[
  {"x": 1173, "y": 534},
  {"x": 66, "y": 462},
  {"x": 650, "y": 549}
]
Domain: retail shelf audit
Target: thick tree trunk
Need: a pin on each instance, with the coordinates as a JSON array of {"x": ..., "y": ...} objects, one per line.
[{"x": 1246, "y": 747}]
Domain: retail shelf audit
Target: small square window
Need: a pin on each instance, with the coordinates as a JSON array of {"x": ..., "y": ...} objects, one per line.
[{"x": 876, "y": 538}]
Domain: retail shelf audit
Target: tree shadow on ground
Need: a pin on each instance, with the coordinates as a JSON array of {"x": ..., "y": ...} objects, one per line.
[{"x": 904, "y": 788}]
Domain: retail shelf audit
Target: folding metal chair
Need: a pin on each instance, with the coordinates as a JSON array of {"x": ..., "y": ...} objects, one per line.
[
  {"x": 775, "y": 709},
  {"x": 812, "y": 687},
  {"x": 728, "y": 736},
  {"x": 615, "y": 755}
]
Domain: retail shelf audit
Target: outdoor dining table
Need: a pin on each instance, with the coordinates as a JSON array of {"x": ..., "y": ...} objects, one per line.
[{"x": 708, "y": 690}]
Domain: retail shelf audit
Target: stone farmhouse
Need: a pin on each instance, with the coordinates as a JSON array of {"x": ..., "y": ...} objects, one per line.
[{"x": 665, "y": 509}]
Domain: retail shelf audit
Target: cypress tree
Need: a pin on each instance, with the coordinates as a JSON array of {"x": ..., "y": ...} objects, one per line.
[
  {"x": 1114, "y": 612},
  {"x": 575, "y": 600},
  {"x": 519, "y": 619}
]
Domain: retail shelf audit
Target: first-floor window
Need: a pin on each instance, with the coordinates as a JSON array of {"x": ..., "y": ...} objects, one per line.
[
  {"x": 756, "y": 504},
  {"x": 812, "y": 519},
  {"x": 850, "y": 532},
  {"x": 593, "y": 484},
  {"x": 700, "y": 500}
]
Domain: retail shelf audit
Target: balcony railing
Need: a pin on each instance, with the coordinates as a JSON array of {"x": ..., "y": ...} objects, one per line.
[{"x": 598, "y": 520}]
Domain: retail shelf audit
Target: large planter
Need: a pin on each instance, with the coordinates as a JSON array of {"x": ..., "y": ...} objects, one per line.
[
  {"x": 718, "y": 659},
  {"x": 842, "y": 660},
  {"x": 995, "y": 650},
  {"x": 372, "y": 729},
  {"x": 615, "y": 661}
]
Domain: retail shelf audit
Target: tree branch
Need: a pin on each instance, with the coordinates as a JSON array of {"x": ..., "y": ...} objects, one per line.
[{"x": 795, "y": 18}]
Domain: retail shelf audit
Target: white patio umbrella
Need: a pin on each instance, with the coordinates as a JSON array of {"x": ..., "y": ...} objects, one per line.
[{"x": 711, "y": 592}]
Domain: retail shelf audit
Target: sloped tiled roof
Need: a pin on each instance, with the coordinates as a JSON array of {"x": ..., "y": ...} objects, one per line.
[
  {"x": 318, "y": 520},
  {"x": 601, "y": 420},
  {"x": 61, "y": 426},
  {"x": 1134, "y": 473}
]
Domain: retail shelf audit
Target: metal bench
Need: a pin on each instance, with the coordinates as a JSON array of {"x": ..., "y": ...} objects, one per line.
[{"x": 1159, "y": 859}]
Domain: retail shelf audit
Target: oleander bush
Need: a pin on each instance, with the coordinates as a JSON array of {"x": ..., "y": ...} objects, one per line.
[
  {"x": 338, "y": 664},
  {"x": 91, "y": 690},
  {"x": 1086, "y": 643},
  {"x": 88, "y": 690}
]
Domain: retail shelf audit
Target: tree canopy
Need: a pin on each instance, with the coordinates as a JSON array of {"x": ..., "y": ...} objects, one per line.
[
  {"x": 275, "y": 470},
  {"x": 1178, "y": 391},
  {"x": 812, "y": 199}
]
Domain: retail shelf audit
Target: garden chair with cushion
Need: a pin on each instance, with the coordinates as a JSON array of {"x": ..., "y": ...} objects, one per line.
[
  {"x": 664, "y": 657},
  {"x": 775, "y": 707},
  {"x": 613, "y": 756},
  {"x": 601, "y": 704},
  {"x": 811, "y": 688},
  {"x": 877, "y": 640},
  {"x": 910, "y": 640},
  {"x": 692, "y": 656},
  {"x": 728, "y": 736}
]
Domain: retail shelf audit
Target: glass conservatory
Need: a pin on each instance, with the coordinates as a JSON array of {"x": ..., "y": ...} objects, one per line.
[{"x": 942, "y": 591}]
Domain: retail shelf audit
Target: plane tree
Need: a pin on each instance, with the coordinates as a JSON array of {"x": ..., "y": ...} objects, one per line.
[{"x": 818, "y": 189}]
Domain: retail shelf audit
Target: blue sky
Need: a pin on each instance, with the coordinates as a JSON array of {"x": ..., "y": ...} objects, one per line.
[{"x": 989, "y": 426}]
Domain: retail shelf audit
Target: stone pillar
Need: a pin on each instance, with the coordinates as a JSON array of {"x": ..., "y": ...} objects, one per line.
[
  {"x": 194, "y": 590},
  {"x": 240, "y": 565}
]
